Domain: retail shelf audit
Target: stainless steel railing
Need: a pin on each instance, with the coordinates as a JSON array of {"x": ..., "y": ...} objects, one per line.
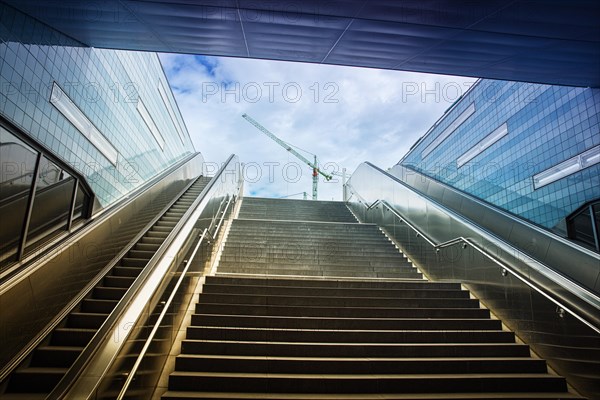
[{"x": 506, "y": 268}]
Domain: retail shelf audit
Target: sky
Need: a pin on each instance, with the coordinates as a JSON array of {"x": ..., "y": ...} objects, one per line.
[{"x": 344, "y": 115}]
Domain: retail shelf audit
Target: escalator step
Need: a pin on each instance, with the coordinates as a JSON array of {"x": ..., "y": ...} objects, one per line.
[
  {"x": 151, "y": 240},
  {"x": 151, "y": 247},
  {"x": 45, "y": 379},
  {"x": 118, "y": 281},
  {"x": 98, "y": 306},
  {"x": 158, "y": 228},
  {"x": 55, "y": 356},
  {"x": 86, "y": 320},
  {"x": 108, "y": 293},
  {"x": 143, "y": 254},
  {"x": 71, "y": 336},
  {"x": 157, "y": 234},
  {"x": 165, "y": 223},
  {"x": 126, "y": 271},
  {"x": 133, "y": 262}
]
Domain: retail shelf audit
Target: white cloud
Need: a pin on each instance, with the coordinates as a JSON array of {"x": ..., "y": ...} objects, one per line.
[{"x": 345, "y": 115}]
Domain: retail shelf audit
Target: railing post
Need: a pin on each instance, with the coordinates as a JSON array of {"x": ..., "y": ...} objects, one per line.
[{"x": 27, "y": 220}]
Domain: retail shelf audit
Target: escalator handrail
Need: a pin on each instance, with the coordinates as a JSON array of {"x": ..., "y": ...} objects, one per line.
[
  {"x": 14, "y": 363},
  {"x": 521, "y": 221},
  {"x": 18, "y": 273},
  {"x": 188, "y": 262},
  {"x": 148, "y": 342},
  {"x": 466, "y": 241},
  {"x": 105, "y": 329},
  {"x": 160, "y": 318}
]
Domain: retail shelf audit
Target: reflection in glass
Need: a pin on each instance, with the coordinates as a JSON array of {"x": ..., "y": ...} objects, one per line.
[
  {"x": 583, "y": 226},
  {"x": 16, "y": 176},
  {"x": 52, "y": 202}
]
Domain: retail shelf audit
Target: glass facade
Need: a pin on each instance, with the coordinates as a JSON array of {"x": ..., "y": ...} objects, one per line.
[
  {"x": 82, "y": 105},
  {"x": 511, "y": 148}
]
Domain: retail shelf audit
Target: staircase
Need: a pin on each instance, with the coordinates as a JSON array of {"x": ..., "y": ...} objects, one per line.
[
  {"x": 309, "y": 304},
  {"x": 41, "y": 371}
]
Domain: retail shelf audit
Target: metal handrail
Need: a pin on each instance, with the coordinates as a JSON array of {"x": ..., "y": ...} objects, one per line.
[
  {"x": 505, "y": 267},
  {"x": 414, "y": 228},
  {"x": 214, "y": 235},
  {"x": 166, "y": 306},
  {"x": 216, "y": 216}
]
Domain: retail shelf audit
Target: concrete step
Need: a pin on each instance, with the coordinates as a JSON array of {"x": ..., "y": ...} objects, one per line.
[
  {"x": 301, "y": 216},
  {"x": 303, "y": 229},
  {"x": 315, "y": 234},
  {"x": 323, "y": 271},
  {"x": 372, "y": 383},
  {"x": 343, "y": 366},
  {"x": 176, "y": 395},
  {"x": 383, "y": 248},
  {"x": 328, "y": 283},
  {"x": 292, "y": 238},
  {"x": 308, "y": 261},
  {"x": 281, "y": 322},
  {"x": 358, "y": 349},
  {"x": 346, "y": 312},
  {"x": 372, "y": 336},
  {"x": 320, "y": 301},
  {"x": 309, "y": 265},
  {"x": 300, "y": 226},
  {"x": 422, "y": 291}
]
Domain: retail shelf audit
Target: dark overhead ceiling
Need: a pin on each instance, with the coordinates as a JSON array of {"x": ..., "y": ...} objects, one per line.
[{"x": 546, "y": 41}]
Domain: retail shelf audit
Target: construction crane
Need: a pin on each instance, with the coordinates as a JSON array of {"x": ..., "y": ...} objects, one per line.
[{"x": 288, "y": 147}]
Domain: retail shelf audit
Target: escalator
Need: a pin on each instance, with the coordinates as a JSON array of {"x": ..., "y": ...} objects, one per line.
[{"x": 40, "y": 372}]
